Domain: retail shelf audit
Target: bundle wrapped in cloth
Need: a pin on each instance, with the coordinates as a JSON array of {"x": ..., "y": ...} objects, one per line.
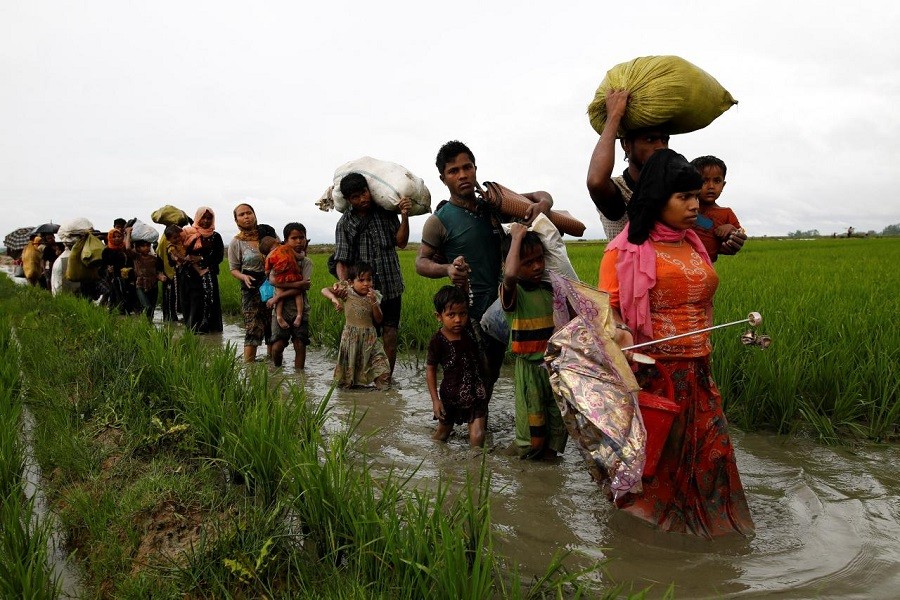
[
  {"x": 664, "y": 91},
  {"x": 514, "y": 205},
  {"x": 170, "y": 215},
  {"x": 388, "y": 182},
  {"x": 140, "y": 231}
]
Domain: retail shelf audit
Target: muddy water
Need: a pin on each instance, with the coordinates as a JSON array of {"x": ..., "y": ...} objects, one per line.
[{"x": 827, "y": 520}]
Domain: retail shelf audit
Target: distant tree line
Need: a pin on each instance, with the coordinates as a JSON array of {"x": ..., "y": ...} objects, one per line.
[{"x": 851, "y": 232}]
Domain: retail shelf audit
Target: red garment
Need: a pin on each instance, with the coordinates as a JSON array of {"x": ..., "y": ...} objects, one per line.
[
  {"x": 719, "y": 215},
  {"x": 697, "y": 488},
  {"x": 283, "y": 262}
]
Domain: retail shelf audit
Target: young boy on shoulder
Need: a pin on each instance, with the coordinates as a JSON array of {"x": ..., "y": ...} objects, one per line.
[
  {"x": 463, "y": 394},
  {"x": 290, "y": 324},
  {"x": 528, "y": 304},
  {"x": 718, "y": 226}
]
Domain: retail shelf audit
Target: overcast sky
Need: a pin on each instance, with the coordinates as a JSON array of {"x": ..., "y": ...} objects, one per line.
[{"x": 111, "y": 108}]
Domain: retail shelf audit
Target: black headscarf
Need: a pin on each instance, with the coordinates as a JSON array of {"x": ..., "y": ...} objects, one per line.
[{"x": 665, "y": 173}]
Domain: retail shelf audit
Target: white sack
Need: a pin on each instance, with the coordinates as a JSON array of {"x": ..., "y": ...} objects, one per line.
[
  {"x": 387, "y": 182},
  {"x": 142, "y": 232}
]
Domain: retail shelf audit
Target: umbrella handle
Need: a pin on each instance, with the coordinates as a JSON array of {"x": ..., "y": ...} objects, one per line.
[{"x": 753, "y": 319}]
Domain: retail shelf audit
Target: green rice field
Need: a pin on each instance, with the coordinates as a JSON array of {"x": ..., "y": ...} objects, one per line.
[
  {"x": 830, "y": 305},
  {"x": 154, "y": 445}
]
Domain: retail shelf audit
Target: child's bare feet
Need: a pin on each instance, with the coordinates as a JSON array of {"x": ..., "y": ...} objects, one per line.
[
  {"x": 281, "y": 322},
  {"x": 298, "y": 320}
]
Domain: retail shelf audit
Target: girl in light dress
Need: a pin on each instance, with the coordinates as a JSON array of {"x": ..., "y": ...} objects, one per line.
[{"x": 361, "y": 357}]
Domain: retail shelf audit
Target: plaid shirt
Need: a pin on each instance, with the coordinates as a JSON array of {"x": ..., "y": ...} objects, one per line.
[{"x": 375, "y": 244}]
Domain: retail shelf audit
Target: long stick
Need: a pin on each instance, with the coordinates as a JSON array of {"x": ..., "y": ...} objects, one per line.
[{"x": 754, "y": 319}]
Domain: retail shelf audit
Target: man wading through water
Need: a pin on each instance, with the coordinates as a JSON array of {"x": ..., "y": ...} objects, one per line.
[
  {"x": 612, "y": 194},
  {"x": 461, "y": 241},
  {"x": 371, "y": 234}
]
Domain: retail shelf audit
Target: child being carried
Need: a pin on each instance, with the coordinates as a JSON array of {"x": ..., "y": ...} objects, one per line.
[{"x": 281, "y": 268}]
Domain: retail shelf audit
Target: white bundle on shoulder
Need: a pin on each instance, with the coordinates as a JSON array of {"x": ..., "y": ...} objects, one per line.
[
  {"x": 388, "y": 182},
  {"x": 72, "y": 230}
]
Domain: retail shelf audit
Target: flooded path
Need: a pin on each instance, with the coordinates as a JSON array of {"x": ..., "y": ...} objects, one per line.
[{"x": 827, "y": 519}]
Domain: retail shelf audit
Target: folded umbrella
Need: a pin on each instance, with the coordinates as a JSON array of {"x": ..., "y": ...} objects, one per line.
[{"x": 595, "y": 388}]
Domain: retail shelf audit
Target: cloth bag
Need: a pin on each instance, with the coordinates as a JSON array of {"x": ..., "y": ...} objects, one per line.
[
  {"x": 76, "y": 269},
  {"x": 387, "y": 183},
  {"x": 141, "y": 232},
  {"x": 170, "y": 215}
]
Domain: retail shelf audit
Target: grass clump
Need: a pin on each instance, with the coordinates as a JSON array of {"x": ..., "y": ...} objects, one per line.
[{"x": 25, "y": 571}]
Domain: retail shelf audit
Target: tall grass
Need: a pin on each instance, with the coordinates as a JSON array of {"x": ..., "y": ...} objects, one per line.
[
  {"x": 24, "y": 568},
  {"x": 151, "y": 436},
  {"x": 831, "y": 309},
  {"x": 830, "y": 306}
]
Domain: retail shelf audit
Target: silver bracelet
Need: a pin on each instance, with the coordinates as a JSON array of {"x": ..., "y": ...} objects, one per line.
[{"x": 624, "y": 327}]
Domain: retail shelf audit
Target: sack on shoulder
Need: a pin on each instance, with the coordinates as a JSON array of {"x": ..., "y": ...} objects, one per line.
[
  {"x": 92, "y": 251},
  {"x": 76, "y": 270}
]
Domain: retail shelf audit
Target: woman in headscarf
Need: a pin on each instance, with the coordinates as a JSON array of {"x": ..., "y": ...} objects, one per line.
[
  {"x": 121, "y": 295},
  {"x": 199, "y": 280},
  {"x": 661, "y": 283},
  {"x": 248, "y": 266}
]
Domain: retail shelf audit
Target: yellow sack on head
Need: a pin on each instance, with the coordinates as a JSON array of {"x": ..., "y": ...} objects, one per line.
[{"x": 665, "y": 91}]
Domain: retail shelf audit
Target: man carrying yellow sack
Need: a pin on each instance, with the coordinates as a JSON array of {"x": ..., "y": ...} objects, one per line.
[
  {"x": 32, "y": 261},
  {"x": 642, "y": 102}
]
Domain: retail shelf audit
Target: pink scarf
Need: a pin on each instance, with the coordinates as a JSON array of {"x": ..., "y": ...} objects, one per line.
[
  {"x": 636, "y": 270},
  {"x": 205, "y": 231}
]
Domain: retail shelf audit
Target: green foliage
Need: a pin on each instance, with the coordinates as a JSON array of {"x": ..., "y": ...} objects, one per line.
[
  {"x": 809, "y": 233},
  {"x": 24, "y": 568},
  {"x": 891, "y": 229},
  {"x": 828, "y": 305},
  {"x": 833, "y": 318},
  {"x": 153, "y": 437}
]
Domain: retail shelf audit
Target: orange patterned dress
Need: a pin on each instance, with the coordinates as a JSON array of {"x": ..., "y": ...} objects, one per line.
[{"x": 697, "y": 488}]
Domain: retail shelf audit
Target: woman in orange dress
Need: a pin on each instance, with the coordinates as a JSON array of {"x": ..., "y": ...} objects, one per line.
[{"x": 661, "y": 283}]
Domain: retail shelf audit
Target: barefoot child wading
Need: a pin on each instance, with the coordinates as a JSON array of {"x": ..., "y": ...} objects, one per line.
[
  {"x": 297, "y": 325},
  {"x": 463, "y": 396},
  {"x": 528, "y": 302},
  {"x": 361, "y": 357}
]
